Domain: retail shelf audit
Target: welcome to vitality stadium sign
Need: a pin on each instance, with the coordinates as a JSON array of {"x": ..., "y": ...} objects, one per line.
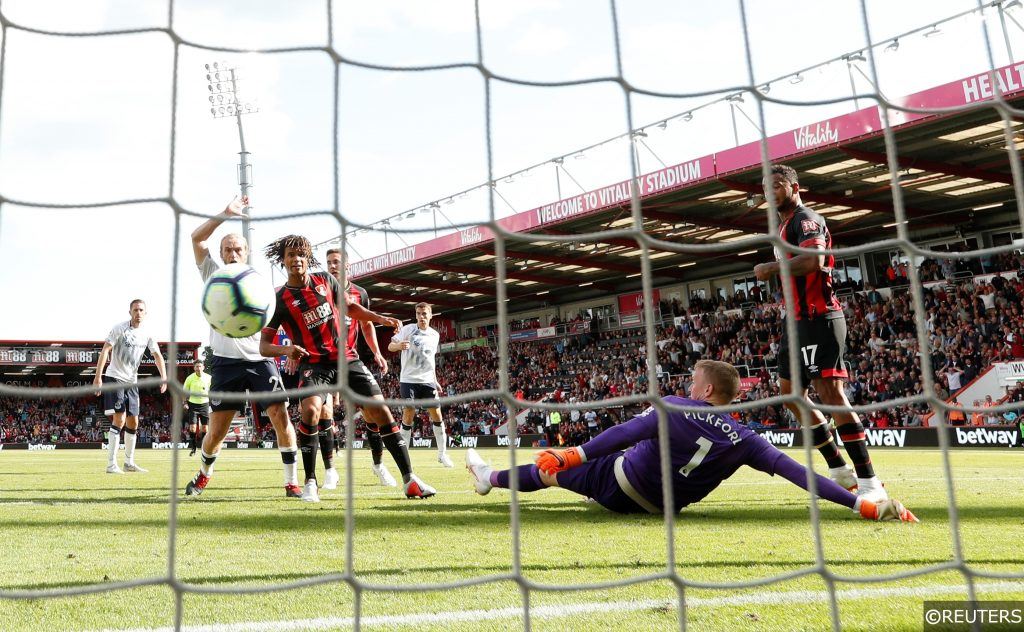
[{"x": 856, "y": 125}]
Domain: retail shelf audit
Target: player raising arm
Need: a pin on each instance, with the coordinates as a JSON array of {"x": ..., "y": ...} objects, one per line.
[
  {"x": 705, "y": 449},
  {"x": 238, "y": 366}
]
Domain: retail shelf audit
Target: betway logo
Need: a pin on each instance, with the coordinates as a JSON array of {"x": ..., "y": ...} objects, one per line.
[
  {"x": 268, "y": 444},
  {"x": 39, "y": 446},
  {"x": 984, "y": 436},
  {"x": 242, "y": 445},
  {"x": 806, "y": 137},
  {"x": 890, "y": 437},
  {"x": 421, "y": 443},
  {"x": 469, "y": 442},
  {"x": 357, "y": 444},
  {"x": 779, "y": 438},
  {"x": 169, "y": 445},
  {"x": 503, "y": 440}
]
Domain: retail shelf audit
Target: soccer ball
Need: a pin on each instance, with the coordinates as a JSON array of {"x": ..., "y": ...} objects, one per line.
[{"x": 238, "y": 301}]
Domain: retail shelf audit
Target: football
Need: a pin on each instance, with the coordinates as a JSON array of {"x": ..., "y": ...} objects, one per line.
[{"x": 238, "y": 301}]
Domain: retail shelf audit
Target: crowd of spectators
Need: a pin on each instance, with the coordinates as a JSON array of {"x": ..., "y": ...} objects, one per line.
[
  {"x": 970, "y": 324},
  {"x": 49, "y": 421}
]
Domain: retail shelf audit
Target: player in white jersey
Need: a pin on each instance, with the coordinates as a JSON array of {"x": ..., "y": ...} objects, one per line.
[
  {"x": 125, "y": 345},
  {"x": 238, "y": 366},
  {"x": 418, "y": 343}
]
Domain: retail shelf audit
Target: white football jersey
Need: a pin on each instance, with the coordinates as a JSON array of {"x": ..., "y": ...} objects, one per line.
[
  {"x": 418, "y": 360},
  {"x": 129, "y": 344},
  {"x": 223, "y": 346}
]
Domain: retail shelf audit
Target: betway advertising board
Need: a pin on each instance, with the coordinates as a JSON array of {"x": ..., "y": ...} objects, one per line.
[{"x": 959, "y": 437}]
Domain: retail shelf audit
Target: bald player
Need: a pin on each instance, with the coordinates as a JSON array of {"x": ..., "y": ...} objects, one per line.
[{"x": 238, "y": 365}]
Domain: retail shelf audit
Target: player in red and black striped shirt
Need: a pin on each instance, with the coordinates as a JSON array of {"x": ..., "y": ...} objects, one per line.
[
  {"x": 308, "y": 310},
  {"x": 821, "y": 333}
]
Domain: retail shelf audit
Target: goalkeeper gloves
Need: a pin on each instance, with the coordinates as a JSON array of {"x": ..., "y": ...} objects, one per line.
[
  {"x": 551, "y": 461},
  {"x": 887, "y": 509}
]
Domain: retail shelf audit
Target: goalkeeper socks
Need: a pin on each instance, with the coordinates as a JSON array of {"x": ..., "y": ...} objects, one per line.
[
  {"x": 441, "y": 437},
  {"x": 114, "y": 442},
  {"x": 852, "y": 435},
  {"x": 206, "y": 462},
  {"x": 399, "y": 451},
  {"x": 826, "y": 445},
  {"x": 308, "y": 443},
  {"x": 288, "y": 460},
  {"x": 326, "y": 433},
  {"x": 529, "y": 478},
  {"x": 376, "y": 446},
  {"x": 129, "y": 445}
]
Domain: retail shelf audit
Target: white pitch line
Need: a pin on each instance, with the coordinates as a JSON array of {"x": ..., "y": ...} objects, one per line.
[{"x": 557, "y": 611}]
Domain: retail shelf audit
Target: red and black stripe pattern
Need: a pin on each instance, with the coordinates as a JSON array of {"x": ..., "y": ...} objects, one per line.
[
  {"x": 311, "y": 318},
  {"x": 813, "y": 293}
]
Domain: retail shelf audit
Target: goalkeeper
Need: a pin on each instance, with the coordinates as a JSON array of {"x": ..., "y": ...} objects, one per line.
[{"x": 705, "y": 448}]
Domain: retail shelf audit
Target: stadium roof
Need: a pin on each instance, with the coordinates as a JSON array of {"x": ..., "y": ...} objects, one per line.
[{"x": 954, "y": 173}]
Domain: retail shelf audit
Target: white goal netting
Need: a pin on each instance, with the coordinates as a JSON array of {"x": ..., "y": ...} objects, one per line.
[{"x": 503, "y": 391}]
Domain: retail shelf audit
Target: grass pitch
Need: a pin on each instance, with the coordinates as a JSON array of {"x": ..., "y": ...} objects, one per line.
[{"x": 64, "y": 523}]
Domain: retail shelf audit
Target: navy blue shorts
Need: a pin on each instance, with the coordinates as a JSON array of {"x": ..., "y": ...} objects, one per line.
[
  {"x": 122, "y": 400},
  {"x": 596, "y": 479},
  {"x": 237, "y": 376},
  {"x": 408, "y": 390}
]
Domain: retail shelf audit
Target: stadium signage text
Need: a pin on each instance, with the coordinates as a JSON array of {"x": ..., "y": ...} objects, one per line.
[
  {"x": 421, "y": 442},
  {"x": 805, "y": 137},
  {"x": 985, "y": 436},
  {"x": 979, "y": 87},
  {"x": 891, "y": 437},
  {"x": 71, "y": 356},
  {"x": 980, "y": 437},
  {"x": 779, "y": 438},
  {"x": 503, "y": 441},
  {"x": 469, "y": 442},
  {"x": 41, "y": 446}
]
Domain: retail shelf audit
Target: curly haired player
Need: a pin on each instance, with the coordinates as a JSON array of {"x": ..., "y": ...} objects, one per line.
[{"x": 308, "y": 309}]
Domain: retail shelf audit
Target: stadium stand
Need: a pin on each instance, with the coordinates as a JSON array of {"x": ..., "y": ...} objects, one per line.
[{"x": 974, "y": 319}]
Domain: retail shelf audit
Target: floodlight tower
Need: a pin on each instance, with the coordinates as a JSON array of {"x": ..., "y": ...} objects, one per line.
[{"x": 222, "y": 81}]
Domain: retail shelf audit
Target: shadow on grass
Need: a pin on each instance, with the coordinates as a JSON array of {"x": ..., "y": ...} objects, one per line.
[
  {"x": 451, "y": 572},
  {"x": 288, "y": 515}
]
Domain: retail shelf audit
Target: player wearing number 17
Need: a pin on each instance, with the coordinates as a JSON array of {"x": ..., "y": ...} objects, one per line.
[
  {"x": 821, "y": 334},
  {"x": 621, "y": 467}
]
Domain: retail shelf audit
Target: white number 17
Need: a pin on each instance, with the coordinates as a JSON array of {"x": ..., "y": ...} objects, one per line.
[{"x": 703, "y": 447}]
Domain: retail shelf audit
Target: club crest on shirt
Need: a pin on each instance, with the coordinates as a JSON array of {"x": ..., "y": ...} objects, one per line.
[
  {"x": 808, "y": 226},
  {"x": 321, "y": 290}
]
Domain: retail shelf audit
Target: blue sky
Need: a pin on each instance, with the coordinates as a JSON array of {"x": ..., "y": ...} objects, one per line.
[{"x": 88, "y": 120}]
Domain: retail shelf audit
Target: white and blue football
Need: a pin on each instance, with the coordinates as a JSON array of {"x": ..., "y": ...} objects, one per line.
[{"x": 238, "y": 301}]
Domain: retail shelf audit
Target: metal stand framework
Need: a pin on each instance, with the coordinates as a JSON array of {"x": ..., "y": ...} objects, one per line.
[{"x": 222, "y": 80}]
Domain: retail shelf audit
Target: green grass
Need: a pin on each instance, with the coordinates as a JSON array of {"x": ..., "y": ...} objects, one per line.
[{"x": 65, "y": 523}]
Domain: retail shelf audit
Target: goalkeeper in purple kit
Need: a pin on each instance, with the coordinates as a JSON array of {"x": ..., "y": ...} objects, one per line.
[{"x": 621, "y": 467}]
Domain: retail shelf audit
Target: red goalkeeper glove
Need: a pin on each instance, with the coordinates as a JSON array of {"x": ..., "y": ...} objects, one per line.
[
  {"x": 551, "y": 461},
  {"x": 886, "y": 510}
]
